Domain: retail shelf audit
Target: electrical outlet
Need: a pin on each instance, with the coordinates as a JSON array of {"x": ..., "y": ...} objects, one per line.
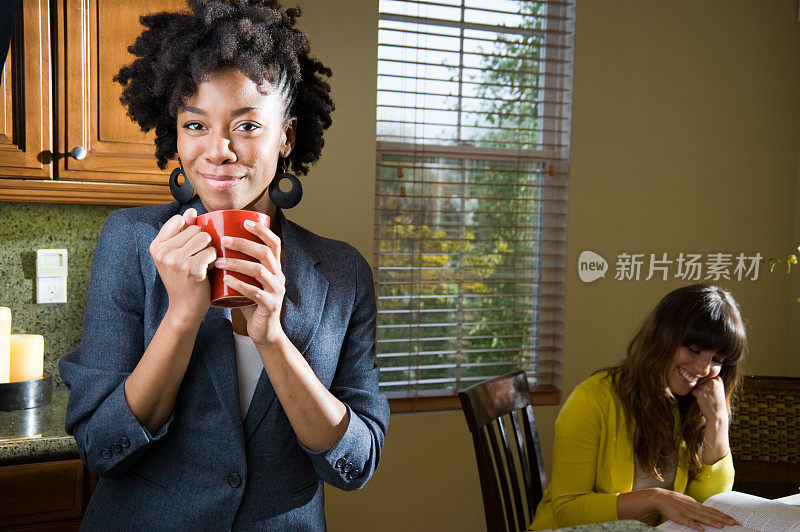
[{"x": 51, "y": 290}]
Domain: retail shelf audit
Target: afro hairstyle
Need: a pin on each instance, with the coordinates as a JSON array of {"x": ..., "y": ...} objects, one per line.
[{"x": 179, "y": 50}]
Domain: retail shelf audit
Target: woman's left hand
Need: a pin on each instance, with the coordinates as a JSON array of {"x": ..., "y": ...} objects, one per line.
[
  {"x": 263, "y": 320},
  {"x": 710, "y": 397}
]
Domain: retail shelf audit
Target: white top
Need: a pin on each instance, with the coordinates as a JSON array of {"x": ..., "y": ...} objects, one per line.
[
  {"x": 250, "y": 366},
  {"x": 643, "y": 480}
]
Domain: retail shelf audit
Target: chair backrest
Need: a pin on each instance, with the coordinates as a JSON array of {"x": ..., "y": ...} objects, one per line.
[
  {"x": 500, "y": 417},
  {"x": 765, "y": 437}
]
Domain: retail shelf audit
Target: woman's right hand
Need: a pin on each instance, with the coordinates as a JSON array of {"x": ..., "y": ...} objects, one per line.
[
  {"x": 183, "y": 254},
  {"x": 684, "y": 510}
]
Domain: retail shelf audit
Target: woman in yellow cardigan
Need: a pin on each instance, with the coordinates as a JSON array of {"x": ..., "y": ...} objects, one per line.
[{"x": 649, "y": 437}]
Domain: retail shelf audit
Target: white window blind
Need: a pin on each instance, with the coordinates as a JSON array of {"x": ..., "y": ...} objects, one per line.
[{"x": 473, "y": 119}]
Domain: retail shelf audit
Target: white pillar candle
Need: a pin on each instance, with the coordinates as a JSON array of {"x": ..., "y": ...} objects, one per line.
[
  {"x": 5, "y": 344},
  {"x": 27, "y": 357}
]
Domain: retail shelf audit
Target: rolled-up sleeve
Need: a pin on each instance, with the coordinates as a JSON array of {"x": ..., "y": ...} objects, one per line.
[
  {"x": 712, "y": 479},
  {"x": 109, "y": 437},
  {"x": 351, "y": 461}
]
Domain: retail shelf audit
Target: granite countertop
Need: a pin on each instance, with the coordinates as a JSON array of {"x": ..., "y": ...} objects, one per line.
[{"x": 36, "y": 434}]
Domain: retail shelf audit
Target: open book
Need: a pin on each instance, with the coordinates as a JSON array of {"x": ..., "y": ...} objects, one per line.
[{"x": 754, "y": 513}]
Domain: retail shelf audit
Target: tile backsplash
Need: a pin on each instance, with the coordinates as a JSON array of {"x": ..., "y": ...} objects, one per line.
[{"x": 26, "y": 227}]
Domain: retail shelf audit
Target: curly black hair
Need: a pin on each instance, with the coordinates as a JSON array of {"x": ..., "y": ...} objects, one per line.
[{"x": 180, "y": 50}]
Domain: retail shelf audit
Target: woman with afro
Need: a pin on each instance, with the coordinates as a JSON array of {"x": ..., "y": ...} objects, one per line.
[{"x": 205, "y": 418}]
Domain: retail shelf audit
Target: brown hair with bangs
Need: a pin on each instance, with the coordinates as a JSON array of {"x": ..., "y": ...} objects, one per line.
[{"x": 703, "y": 316}]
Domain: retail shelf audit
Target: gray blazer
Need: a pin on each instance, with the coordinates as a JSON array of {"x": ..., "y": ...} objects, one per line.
[{"x": 206, "y": 468}]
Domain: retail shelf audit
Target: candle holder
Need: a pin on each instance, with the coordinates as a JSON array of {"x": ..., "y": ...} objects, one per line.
[{"x": 26, "y": 394}]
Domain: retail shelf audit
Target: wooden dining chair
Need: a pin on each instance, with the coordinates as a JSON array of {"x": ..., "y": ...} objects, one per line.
[
  {"x": 500, "y": 417},
  {"x": 765, "y": 436}
]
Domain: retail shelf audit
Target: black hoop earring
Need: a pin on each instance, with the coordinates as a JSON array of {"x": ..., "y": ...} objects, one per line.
[
  {"x": 181, "y": 193},
  {"x": 281, "y": 199}
]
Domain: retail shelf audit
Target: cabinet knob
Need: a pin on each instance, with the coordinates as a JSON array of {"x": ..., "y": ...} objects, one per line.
[{"x": 78, "y": 153}]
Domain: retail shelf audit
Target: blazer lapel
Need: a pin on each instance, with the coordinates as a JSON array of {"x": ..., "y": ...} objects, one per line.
[
  {"x": 263, "y": 397},
  {"x": 306, "y": 290},
  {"x": 214, "y": 343},
  {"x": 219, "y": 356},
  {"x": 194, "y": 203}
]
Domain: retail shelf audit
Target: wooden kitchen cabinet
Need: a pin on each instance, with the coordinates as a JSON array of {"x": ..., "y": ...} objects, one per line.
[
  {"x": 44, "y": 496},
  {"x": 59, "y": 94},
  {"x": 26, "y": 129}
]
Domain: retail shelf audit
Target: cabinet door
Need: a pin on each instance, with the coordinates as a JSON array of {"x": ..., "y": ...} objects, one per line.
[
  {"x": 25, "y": 112},
  {"x": 93, "y": 45},
  {"x": 41, "y": 492}
]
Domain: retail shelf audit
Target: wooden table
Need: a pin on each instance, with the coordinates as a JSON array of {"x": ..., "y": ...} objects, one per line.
[
  {"x": 636, "y": 526},
  {"x": 628, "y": 525}
]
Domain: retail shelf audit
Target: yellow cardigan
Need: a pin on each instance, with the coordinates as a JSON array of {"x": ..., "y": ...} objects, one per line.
[{"x": 593, "y": 461}]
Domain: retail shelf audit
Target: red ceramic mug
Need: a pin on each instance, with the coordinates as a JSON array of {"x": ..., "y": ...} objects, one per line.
[{"x": 229, "y": 223}]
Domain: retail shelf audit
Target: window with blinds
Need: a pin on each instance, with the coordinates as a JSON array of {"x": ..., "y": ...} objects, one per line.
[{"x": 473, "y": 118}]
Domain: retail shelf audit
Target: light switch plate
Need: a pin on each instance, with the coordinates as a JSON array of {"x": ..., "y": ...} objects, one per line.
[
  {"x": 51, "y": 290},
  {"x": 51, "y": 263}
]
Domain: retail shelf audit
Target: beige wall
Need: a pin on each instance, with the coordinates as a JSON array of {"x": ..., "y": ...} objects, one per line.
[{"x": 686, "y": 132}]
